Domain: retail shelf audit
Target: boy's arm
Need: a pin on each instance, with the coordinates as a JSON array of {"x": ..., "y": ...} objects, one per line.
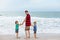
[{"x": 19, "y": 24}]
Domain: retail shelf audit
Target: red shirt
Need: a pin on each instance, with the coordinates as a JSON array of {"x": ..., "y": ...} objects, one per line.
[{"x": 28, "y": 20}]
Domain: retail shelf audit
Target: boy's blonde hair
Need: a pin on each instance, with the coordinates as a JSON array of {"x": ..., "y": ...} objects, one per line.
[
  {"x": 34, "y": 22},
  {"x": 16, "y": 22}
]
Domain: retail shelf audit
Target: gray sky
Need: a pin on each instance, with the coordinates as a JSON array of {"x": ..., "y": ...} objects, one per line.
[{"x": 36, "y": 5}]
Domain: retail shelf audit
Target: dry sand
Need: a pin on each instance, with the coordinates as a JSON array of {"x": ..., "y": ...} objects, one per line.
[{"x": 41, "y": 36}]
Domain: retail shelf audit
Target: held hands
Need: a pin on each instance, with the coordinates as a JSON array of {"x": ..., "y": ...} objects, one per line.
[
  {"x": 21, "y": 24},
  {"x": 32, "y": 25}
]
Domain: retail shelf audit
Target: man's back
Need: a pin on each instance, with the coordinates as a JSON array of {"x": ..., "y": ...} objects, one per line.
[{"x": 28, "y": 20}]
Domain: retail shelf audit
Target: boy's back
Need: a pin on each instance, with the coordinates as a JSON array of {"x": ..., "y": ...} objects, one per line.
[
  {"x": 35, "y": 28},
  {"x": 17, "y": 26}
]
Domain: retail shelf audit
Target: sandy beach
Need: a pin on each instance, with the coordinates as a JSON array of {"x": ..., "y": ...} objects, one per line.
[{"x": 41, "y": 36}]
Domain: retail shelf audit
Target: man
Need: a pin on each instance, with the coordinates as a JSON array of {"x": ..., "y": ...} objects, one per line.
[{"x": 27, "y": 21}]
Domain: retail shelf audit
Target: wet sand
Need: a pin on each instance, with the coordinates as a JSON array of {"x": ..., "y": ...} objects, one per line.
[{"x": 41, "y": 36}]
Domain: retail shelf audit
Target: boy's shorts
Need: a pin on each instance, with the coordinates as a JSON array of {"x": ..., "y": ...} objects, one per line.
[
  {"x": 34, "y": 32},
  {"x": 27, "y": 28},
  {"x": 16, "y": 31}
]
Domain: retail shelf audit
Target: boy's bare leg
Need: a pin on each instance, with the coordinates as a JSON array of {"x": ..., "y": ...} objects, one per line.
[
  {"x": 34, "y": 35},
  {"x": 16, "y": 35}
]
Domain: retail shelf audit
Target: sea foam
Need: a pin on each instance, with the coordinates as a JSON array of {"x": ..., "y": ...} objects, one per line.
[{"x": 44, "y": 25}]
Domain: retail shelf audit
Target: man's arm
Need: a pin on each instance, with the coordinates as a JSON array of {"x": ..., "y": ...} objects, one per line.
[{"x": 23, "y": 21}]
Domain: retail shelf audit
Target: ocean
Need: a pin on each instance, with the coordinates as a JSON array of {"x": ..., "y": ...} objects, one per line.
[
  {"x": 52, "y": 14},
  {"x": 47, "y": 22}
]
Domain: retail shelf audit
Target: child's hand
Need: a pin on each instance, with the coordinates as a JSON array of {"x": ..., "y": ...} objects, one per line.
[{"x": 20, "y": 24}]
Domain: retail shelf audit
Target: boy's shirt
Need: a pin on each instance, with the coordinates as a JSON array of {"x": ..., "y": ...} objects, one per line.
[
  {"x": 17, "y": 27},
  {"x": 35, "y": 28}
]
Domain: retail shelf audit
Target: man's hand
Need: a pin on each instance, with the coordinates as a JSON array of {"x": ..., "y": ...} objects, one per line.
[{"x": 21, "y": 24}]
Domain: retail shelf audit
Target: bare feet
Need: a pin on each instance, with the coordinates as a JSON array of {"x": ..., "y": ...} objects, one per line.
[
  {"x": 28, "y": 36},
  {"x": 35, "y": 37},
  {"x": 18, "y": 37}
]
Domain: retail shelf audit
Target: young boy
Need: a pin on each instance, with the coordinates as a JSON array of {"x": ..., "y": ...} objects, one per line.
[
  {"x": 34, "y": 29},
  {"x": 16, "y": 28}
]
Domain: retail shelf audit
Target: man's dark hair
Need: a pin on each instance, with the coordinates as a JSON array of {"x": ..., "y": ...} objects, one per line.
[{"x": 26, "y": 10}]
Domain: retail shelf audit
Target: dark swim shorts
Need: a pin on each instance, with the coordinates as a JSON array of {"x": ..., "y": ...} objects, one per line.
[
  {"x": 16, "y": 31},
  {"x": 34, "y": 32}
]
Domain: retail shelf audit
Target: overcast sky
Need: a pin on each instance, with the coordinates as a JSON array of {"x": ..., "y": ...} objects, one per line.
[{"x": 36, "y": 5}]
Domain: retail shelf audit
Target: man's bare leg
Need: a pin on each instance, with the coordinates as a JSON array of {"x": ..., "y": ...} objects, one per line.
[{"x": 28, "y": 33}]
